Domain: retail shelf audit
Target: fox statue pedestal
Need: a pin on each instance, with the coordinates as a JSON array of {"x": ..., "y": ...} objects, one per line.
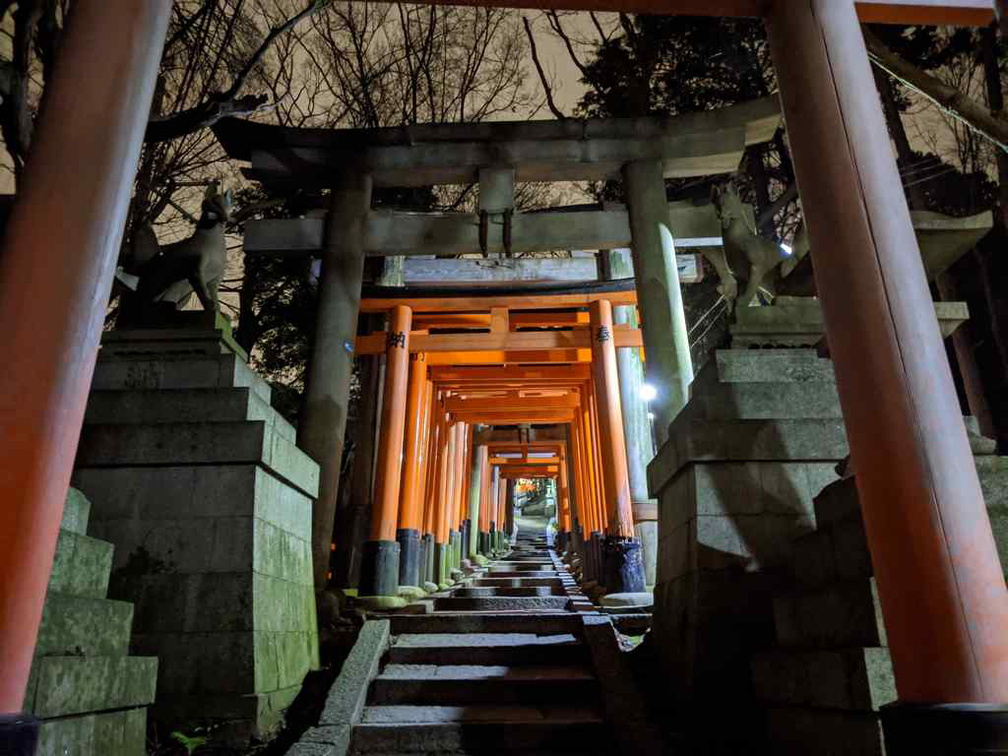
[{"x": 200, "y": 485}]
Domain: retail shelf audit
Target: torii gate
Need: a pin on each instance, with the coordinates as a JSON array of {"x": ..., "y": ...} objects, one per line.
[{"x": 939, "y": 579}]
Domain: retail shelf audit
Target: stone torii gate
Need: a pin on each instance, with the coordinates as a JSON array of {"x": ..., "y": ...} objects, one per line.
[
  {"x": 942, "y": 593},
  {"x": 642, "y": 150}
]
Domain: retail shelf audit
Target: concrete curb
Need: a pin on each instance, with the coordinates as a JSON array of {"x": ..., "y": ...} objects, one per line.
[{"x": 346, "y": 699}]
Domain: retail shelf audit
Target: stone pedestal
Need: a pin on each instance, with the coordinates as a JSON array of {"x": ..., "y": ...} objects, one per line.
[
  {"x": 798, "y": 322},
  {"x": 735, "y": 483},
  {"x": 89, "y": 694},
  {"x": 199, "y": 484}
]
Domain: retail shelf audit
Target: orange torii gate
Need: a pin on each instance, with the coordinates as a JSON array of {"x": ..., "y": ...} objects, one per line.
[
  {"x": 939, "y": 579},
  {"x": 553, "y": 364}
]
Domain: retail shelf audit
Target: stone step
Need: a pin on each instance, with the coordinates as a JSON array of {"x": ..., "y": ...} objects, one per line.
[
  {"x": 839, "y": 615},
  {"x": 854, "y": 679},
  {"x": 470, "y": 684},
  {"x": 511, "y": 649},
  {"x": 524, "y": 574},
  {"x": 170, "y": 372},
  {"x": 483, "y": 591},
  {"x": 112, "y": 733},
  {"x": 81, "y": 566},
  {"x": 500, "y": 603},
  {"x": 124, "y": 445},
  {"x": 74, "y": 625},
  {"x": 480, "y": 730},
  {"x": 519, "y": 582},
  {"x": 837, "y": 503},
  {"x": 838, "y": 552},
  {"x": 208, "y": 405},
  {"x": 509, "y": 566},
  {"x": 65, "y": 685},
  {"x": 487, "y": 622},
  {"x": 76, "y": 511}
]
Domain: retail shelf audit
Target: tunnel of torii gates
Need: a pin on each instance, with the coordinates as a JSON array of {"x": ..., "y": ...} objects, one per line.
[
  {"x": 494, "y": 401},
  {"x": 939, "y": 581}
]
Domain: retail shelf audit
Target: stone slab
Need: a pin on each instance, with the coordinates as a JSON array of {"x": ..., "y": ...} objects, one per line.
[
  {"x": 184, "y": 406},
  {"x": 768, "y": 366},
  {"x": 791, "y": 440},
  {"x": 82, "y": 626},
  {"x": 771, "y": 400},
  {"x": 66, "y": 685},
  {"x": 81, "y": 566},
  {"x": 839, "y": 614},
  {"x": 75, "y": 512},
  {"x": 125, "y": 445},
  {"x": 117, "y": 733},
  {"x": 185, "y": 372},
  {"x": 858, "y": 679}
]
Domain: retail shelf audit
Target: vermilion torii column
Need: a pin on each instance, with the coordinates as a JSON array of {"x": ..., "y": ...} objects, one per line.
[
  {"x": 430, "y": 488},
  {"x": 486, "y": 488},
  {"x": 380, "y": 555},
  {"x": 624, "y": 564},
  {"x": 563, "y": 500},
  {"x": 476, "y": 479},
  {"x": 939, "y": 580},
  {"x": 413, "y": 464},
  {"x": 63, "y": 235},
  {"x": 441, "y": 534}
]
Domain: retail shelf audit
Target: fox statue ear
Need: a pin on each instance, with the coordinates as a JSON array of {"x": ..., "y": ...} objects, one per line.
[{"x": 211, "y": 190}]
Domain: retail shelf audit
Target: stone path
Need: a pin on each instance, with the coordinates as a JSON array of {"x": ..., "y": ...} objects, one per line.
[{"x": 500, "y": 666}]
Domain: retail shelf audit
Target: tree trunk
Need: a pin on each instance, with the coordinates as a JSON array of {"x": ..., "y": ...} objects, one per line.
[{"x": 904, "y": 152}]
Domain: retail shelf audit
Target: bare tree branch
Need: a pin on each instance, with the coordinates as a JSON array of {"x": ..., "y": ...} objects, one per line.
[
  {"x": 554, "y": 22},
  {"x": 950, "y": 99},
  {"x": 227, "y": 103},
  {"x": 542, "y": 74}
]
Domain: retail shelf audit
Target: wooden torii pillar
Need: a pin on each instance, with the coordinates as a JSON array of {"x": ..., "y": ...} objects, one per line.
[
  {"x": 414, "y": 459},
  {"x": 380, "y": 556},
  {"x": 56, "y": 269},
  {"x": 624, "y": 562},
  {"x": 940, "y": 583}
]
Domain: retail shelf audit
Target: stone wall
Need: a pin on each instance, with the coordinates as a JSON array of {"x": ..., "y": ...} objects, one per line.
[{"x": 208, "y": 499}]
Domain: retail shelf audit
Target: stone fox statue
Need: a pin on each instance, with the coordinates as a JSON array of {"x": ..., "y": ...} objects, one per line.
[
  {"x": 746, "y": 255},
  {"x": 173, "y": 272}
]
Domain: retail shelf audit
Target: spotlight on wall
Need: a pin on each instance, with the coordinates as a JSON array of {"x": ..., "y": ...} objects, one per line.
[
  {"x": 787, "y": 250},
  {"x": 648, "y": 392}
]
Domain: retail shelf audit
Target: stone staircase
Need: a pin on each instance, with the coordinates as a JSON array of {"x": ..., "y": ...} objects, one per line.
[
  {"x": 498, "y": 667},
  {"x": 90, "y": 695},
  {"x": 831, "y": 672}
]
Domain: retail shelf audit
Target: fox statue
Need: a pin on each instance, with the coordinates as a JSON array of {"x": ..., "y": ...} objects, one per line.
[
  {"x": 196, "y": 264},
  {"x": 746, "y": 255}
]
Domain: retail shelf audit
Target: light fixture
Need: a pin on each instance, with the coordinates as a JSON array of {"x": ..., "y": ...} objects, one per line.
[
  {"x": 650, "y": 415},
  {"x": 787, "y": 250},
  {"x": 648, "y": 392}
]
